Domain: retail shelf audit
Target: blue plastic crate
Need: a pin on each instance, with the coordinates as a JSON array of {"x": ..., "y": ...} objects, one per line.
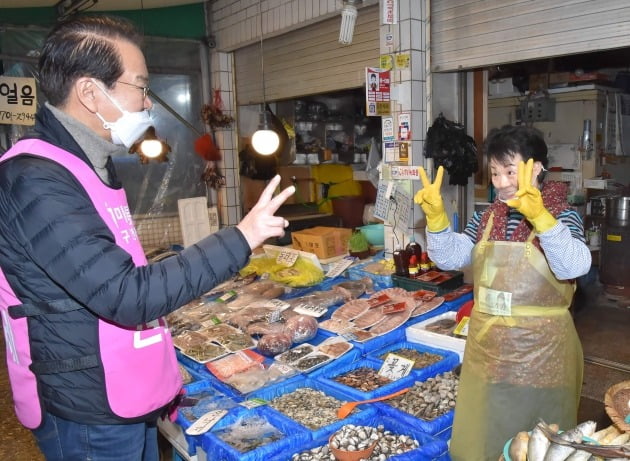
[
  {"x": 377, "y": 342},
  {"x": 380, "y": 282},
  {"x": 329, "y": 379},
  {"x": 437, "y": 427},
  {"x": 294, "y": 436},
  {"x": 213, "y": 399},
  {"x": 203, "y": 374},
  {"x": 449, "y": 358},
  {"x": 431, "y": 448},
  {"x": 285, "y": 388}
]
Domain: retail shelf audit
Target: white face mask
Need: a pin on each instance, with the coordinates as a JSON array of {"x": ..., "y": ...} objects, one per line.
[{"x": 129, "y": 127}]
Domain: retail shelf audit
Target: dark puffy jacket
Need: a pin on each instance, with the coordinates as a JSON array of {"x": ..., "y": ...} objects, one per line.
[{"x": 53, "y": 245}]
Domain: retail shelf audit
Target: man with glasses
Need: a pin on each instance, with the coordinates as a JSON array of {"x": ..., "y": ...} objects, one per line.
[{"x": 91, "y": 362}]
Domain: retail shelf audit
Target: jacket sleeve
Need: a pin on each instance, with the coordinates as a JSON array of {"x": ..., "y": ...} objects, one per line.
[{"x": 60, "y": 236}]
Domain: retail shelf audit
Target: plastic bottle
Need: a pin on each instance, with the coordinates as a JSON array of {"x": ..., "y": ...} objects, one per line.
[
  {"x": 425, "y": 263},
  {"x": 414, "y": 248},
  {"x": 401, "y": 262},
  {"x": 414, "y": 266}
]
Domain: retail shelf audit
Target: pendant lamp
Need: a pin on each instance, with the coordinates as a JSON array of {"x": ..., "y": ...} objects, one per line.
[{"x": 265, "y": 140}]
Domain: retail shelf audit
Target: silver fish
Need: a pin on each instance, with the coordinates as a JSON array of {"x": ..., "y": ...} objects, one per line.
[
  {"x": 579, "y": 455},
  {"x": 538, "y": 445},
  {"x": 557, "y": 452}
]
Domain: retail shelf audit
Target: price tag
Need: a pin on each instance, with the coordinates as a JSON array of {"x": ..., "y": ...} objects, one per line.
[
  {"x": 340, "y": 266},
  {"x": 227, "y": 296},
  {"x": 272, "y": 304},
  {"x": 395, "y": 367},
  {"x": 282, "y": 368},
  {"x": 348, "y": 336},
  {"x": 312, "y": 310},
  {"x": 287, "y": 258},
  {"x": 274, "y": 316},
  {"x": 205, "y": 423},
  {"x": 462, "y": 327},
  {"x": 253, "y": 403}
]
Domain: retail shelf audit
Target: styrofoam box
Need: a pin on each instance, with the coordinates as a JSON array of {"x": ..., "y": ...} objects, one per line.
[{"x": 419, "y": 334}]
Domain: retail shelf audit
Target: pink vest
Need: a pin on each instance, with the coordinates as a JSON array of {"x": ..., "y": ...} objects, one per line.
[{"x": 140, "y": 366}]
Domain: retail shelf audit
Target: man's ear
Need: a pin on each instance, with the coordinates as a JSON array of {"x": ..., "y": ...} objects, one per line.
[{"x": 85, "y": 92}]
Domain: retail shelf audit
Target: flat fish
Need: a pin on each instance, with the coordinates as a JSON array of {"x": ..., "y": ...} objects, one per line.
[
  {"x": 369, "y": 318},
  {"x": 427, "y": 306},
  {"x": 518, "y": 447},
  {"x": 395, "y": 293},
  {"x": 351, "y": 310},
  {"x": 393, "y": 321}
]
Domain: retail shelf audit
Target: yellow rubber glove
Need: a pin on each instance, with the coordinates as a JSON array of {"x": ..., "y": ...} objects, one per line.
[
  {"x": 430, "y": 200},
  {"x": 529, "y": 200}
]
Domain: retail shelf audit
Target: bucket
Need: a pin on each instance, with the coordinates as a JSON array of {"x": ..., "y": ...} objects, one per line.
[
  {"x": 618, "y": 211},
  {"x": 349, "y": 209}
]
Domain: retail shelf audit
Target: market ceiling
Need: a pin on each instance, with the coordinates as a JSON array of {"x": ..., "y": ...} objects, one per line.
[{"x": 102, "y": 5}]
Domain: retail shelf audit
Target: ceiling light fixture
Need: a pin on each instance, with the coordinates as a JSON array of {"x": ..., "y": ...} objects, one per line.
[
  {"x": 348, "y": 20},
  {"x": 265, "y": 140}
]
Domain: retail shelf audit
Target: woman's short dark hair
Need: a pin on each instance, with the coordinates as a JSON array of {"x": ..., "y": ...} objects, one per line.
[
  {"x": 502, "y": 143},
  {"x": 83, "y": 46}
]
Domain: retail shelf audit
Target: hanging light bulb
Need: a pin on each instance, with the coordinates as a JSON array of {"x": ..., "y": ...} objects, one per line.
[
  {"x": 149, "y": 147},
  {"x": 265, "y": 140},
  {"x": 348, "y": 19}
]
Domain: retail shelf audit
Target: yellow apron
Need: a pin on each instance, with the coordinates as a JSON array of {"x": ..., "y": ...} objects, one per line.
[{"x": 523, "y": 358}]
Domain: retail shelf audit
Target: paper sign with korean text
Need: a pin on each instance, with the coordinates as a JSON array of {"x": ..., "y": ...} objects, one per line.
[
  {"x": 404, "y": 152},
  {"x": 386, "y": 62},
  {"x": 377, "y": 91},
  {"x": 404, "y": 126},
  {"x": 390, "y": 11},
  {"x": 395, "y": 367},
  {"x": 405, "y": 172},
  {"x": 402, "y": 61},
  {"x": 18, "y": 100},
  {"x": 391, "y": 151},
  {"x": 388, "y": 129}
]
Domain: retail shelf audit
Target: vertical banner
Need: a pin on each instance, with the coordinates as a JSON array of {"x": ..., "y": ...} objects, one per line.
[
  {"x": 390, "y": 11},
  {"x": 377, "y": 91},
  {"x": 18, "y": 100}
]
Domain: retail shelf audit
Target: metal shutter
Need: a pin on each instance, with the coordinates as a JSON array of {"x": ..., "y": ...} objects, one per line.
[
  {"x": 475, "y": 33},
  {"x": 308, "y": 61}
]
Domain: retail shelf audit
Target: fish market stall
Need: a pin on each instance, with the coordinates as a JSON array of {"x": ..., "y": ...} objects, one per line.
[{"x": 271, "y": 368}]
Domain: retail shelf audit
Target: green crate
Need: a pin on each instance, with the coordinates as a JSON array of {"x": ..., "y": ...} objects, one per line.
[{"x": 410, "y": 284}]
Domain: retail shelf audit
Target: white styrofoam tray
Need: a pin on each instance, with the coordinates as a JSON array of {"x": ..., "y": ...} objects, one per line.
[{"x": 419, "y": 334}]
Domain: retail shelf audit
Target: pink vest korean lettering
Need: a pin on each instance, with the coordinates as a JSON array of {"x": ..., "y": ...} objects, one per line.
[{"x": 140, "y": 366}]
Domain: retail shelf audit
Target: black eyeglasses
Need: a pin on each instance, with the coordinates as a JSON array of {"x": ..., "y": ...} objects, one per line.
[{"x": 145, "y": 89}]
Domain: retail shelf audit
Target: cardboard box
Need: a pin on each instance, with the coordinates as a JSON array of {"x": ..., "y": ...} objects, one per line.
[
  {"x": 325, "y": 242},
  {"x": 538, "y": 82}
]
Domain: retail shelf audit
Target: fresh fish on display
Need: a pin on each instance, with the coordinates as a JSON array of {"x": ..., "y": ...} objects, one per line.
[
  {"x": 518, "y": 447},
  {"x": 369, "y": 318},
  {"x": 538, "y": 445},
  {"x": 583, "y": 429},
  {"x": 351, "y": 310},
  {"x": 558, "y": 451}
]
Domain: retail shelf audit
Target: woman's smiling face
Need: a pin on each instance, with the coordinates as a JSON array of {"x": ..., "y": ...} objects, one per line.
[{"x": 505, "y": 176}]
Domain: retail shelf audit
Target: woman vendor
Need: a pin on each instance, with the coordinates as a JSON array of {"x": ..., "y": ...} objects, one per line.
[{"x": 523, "y": 358}]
